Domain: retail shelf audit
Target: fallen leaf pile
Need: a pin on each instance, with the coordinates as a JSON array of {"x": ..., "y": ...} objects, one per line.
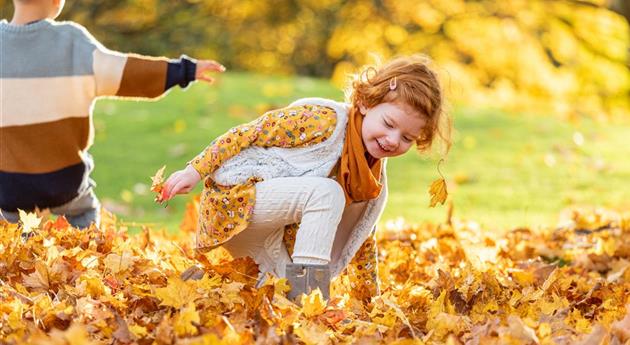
[{"x": 454, "y": 284}]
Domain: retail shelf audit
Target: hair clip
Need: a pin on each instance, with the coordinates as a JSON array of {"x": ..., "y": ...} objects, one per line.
[{"x": 393, "y": 83}]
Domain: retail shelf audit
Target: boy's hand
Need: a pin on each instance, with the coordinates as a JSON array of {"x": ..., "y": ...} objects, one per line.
[
  {"x": 180, "y": 182},
  {"x": 204, "y": 66}
]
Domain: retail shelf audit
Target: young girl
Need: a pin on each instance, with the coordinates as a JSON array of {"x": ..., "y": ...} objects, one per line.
[{"x": 301, "y": 189}]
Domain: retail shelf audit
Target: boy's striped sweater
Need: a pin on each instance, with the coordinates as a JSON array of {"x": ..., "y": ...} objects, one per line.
[{"x": 50, "y": 74}]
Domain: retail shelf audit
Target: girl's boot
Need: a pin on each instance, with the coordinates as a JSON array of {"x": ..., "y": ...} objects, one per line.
[{"x": 305, "y": 278}]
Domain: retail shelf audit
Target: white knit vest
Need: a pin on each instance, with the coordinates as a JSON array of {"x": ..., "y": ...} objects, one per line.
[{"x": 315, "y": 160}]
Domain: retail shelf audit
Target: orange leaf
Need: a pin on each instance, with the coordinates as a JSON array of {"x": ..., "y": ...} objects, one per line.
[{"x": 157, "y": 183}]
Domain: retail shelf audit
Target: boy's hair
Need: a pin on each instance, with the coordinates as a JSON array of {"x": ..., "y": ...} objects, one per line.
[{"x": 407, "y": 80}]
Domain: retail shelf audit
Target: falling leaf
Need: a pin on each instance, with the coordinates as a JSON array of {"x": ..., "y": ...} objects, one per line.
[{"x": 438, "y": 192}]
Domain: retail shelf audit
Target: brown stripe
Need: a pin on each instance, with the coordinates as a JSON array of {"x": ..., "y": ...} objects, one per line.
[
  {"x": 43, "y": 147},
  {"x": 143, "y": 77}
]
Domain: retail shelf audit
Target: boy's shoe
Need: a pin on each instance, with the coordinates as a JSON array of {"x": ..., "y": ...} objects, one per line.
[{"x": 305, "y": 278}]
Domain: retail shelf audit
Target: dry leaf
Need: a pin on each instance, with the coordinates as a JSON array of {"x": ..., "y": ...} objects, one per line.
[
  {"x": 157, "y": 183},
  {"x": 313, "y": 304},
  {"x": 438, "y": 192},
  {"x": 29, "y": 221}
]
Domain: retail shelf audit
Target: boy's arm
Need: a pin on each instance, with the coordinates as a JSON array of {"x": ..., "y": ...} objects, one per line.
[
  {"x": 288, "y": 127},
  {"x": 363, "y": 271},
  {"x": 132, "y": 75}
]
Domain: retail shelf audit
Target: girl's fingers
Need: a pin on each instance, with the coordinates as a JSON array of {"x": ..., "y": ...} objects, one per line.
[
  {"x": 187, "y": 189},
  {"x": 179, "y": 187},
  {"x": 167, "y": 191}
]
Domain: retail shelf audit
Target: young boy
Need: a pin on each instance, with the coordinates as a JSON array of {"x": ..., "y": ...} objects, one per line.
[{"x": 50, "y": 74}]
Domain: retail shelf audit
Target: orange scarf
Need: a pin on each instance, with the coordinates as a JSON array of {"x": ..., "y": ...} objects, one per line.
[{"x": 358, "y": 173}]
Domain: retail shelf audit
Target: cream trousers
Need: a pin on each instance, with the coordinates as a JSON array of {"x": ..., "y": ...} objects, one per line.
[{"x": 316, "y": 203}]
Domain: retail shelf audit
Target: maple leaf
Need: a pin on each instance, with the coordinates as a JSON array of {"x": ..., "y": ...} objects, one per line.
[
  {"x": 230, "y": 294},
  {"x": 244, "y": 270},
  {"x": 157, "y": 183},
  {"x": 29, "y": 221},
  {"x": 38, "y": 279},
  {"x": 177, "y": 293},
  {"x": 313, "y": 304}
]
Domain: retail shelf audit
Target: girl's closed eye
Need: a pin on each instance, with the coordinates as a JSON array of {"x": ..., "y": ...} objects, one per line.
[
  {"x": 389, "y": 125},
  {"x": 407, "y": 139}
]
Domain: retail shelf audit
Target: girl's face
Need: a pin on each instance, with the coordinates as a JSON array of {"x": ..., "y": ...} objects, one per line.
[{"x": 390, "y": 129}]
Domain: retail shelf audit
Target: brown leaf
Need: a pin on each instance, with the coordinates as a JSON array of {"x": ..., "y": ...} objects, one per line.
[{"x": 243, "y": 270}]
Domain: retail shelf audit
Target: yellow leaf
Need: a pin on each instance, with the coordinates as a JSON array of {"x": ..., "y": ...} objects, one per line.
[
  {"x": 138, "y": 331},
  {"x": 208, "y": 283},
  {"x": 78, "y": 335},
  {"x": 608, "y": 246},
  {"x": 230, "y": 294},
  {"x": 177, "y": 293},
  {"x": 184, "y": 321},
  {"x": 313, "y": 304},
  {"x": 524, "y": 278},
  {"x": 438, "y": 192},
  {"x": 280, "y": 285},
  {"x": 29, "y": 221}
]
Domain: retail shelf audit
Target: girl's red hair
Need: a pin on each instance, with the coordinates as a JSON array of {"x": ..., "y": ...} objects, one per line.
[{"x": 409, "y": 81}]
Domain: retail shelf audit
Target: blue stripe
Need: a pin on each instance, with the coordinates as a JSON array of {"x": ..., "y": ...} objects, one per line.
[
  {"x": 52, "y": 50},
  {"x": 27, "y": 191}
]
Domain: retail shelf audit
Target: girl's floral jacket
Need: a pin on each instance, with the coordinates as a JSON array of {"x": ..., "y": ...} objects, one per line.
[{"x": 304, "y": 139}]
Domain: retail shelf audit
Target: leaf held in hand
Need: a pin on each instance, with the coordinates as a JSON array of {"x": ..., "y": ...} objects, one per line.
[{"x": 157, "y": 183}]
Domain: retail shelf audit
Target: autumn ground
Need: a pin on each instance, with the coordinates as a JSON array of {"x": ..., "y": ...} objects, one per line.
[
  {"x": 441, "y": 284},
  {"x": 505, "y": 170}
]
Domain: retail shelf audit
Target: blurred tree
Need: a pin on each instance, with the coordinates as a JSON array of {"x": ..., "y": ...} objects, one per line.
[
  {"x": 620, "y": 6},
  {"x": 569, "y": 57}
]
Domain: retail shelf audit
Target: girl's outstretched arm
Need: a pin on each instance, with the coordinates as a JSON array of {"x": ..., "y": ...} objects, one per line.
[{"x": 288, "y": 127}]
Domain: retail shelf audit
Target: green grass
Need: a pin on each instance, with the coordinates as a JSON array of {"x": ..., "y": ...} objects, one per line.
[{"x": 504, "y": 171}]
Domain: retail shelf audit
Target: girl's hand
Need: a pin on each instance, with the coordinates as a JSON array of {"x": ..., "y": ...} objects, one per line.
[{"x": 180, "y": 182}]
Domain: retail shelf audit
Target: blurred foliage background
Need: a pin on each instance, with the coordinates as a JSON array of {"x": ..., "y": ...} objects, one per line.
[
  {"x": 567, "y": 57},
  {"x": 540, "y": 93}
]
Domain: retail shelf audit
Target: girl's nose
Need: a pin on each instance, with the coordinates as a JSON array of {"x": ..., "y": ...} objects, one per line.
[{"x": 391, "y": 143}]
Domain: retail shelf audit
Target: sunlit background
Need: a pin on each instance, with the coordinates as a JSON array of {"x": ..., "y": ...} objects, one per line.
[{"x": 539, "y": 90}]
